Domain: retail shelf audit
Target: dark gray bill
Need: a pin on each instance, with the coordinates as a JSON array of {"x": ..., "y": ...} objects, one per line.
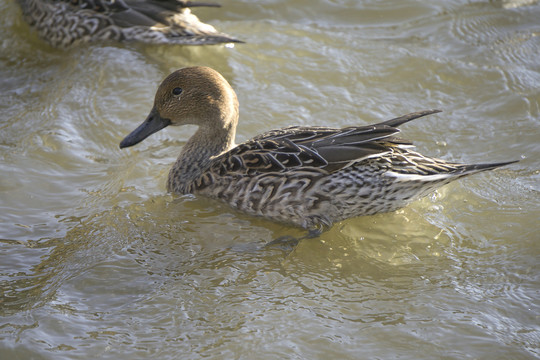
[{"x": 152, "y": 124}]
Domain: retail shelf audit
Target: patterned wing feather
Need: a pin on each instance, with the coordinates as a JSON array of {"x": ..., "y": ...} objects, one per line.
[
  {"x": 65, "y": 23},
  {"x": 322, "y": 148},
  {"x": 266, "y": 156}
]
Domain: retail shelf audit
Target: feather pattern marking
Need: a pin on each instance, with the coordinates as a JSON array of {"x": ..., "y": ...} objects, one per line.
[{"x": 66, "y": 23}]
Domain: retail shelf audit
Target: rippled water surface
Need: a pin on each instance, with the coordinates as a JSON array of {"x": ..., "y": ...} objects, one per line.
[{"x": 97, "y": 261}]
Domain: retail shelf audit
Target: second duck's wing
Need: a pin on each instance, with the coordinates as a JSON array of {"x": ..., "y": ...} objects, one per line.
[
  {"x": 65, "y": 23},
  {"x": 321, "y": 149},
  {"x": 172, "y": 18}
]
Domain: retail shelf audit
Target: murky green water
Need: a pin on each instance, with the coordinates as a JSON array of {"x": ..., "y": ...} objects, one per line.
[{"x": 97, "y": 261}]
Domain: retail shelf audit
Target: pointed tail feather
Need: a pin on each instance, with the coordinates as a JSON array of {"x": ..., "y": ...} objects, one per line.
[
  {"x": 406, "y": 118},
  {"x": 483, "y": 167}
]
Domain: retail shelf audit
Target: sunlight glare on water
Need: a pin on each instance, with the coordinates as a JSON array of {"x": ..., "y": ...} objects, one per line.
[{"x": 98, "y": 261}]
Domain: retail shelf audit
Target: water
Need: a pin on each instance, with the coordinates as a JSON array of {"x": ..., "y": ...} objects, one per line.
[{"x": 98, "y": 261}]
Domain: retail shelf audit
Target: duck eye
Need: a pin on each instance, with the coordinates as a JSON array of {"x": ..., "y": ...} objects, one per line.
[{"x": 177, "y": 91}]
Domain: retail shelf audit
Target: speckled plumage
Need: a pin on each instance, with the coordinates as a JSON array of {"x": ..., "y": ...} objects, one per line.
[
  {"x": 65, "y": 23},
  {"x": 306, "y": 176}
]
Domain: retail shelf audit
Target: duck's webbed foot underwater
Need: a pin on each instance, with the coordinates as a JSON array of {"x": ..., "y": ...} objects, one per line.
[{"x": 288, "y": 242}]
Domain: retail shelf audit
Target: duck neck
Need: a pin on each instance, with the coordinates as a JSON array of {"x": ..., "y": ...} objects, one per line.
[{"x": 208, "y": 142}]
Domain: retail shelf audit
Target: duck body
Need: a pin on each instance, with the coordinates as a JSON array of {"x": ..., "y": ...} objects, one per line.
[
  {"x": 306, "y": 176},
  {"x": 64, "y": 23}
]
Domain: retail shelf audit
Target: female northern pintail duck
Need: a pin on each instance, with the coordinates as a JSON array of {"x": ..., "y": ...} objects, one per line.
[
  {"x": 306, "y": 176},
  {"x": 64, "y": 23}
]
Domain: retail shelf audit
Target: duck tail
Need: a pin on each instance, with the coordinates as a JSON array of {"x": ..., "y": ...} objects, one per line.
[
  {"x": 474, "y": 168},
  {"x": 406, "y": 118}
]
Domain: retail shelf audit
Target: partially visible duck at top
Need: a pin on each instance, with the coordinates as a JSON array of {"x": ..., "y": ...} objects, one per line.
[
  {"x": 308, "y": 176},
  {"x": 65, "y": 23}
]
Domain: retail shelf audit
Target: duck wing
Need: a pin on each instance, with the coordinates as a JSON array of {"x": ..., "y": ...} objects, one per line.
[
  {"x": 127, "y": 13},
  {"x": 67, "y": 22},
  {"x": 166, "y": 22},
  {"x": 322, "y": 149}
]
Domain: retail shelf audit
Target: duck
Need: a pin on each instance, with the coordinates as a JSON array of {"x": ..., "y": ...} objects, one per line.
[
  {"x": 306, "y": 176},
  {"x": 67, "y": 23}
]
